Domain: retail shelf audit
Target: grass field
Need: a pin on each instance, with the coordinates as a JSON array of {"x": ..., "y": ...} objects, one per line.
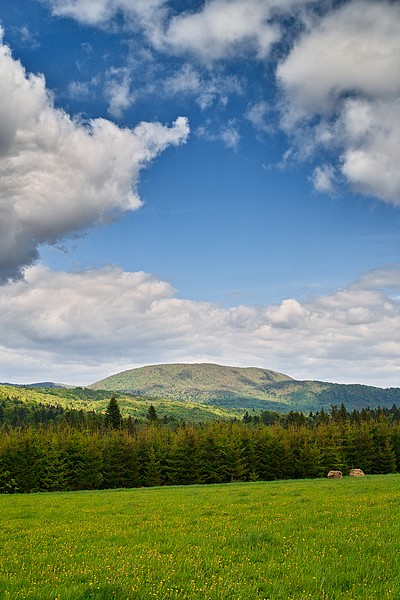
[{"x": 319, "y": 539}]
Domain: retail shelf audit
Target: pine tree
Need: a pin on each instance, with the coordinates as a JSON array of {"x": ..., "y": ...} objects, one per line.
[
  {"x": 113, "y": 417},
  {"x": 183, "y": 460},
  {"x": 212, "y": 458},
  {"x": 82, "y": 456},
  {"x": 152, "y": 475},
  {"x": 120, "y": 461},
  {"x": 8, "y": 485},
  {"x": 152, "y": 416}
]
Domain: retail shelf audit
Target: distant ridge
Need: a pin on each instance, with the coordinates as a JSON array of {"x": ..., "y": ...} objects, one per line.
[
  {"x": 243, "y": 388},
  {"x": 42, "y": 384}
]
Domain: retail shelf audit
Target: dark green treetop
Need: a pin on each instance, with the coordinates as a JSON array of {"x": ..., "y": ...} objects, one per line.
[
  {"x": 113, "y": 417},
  {"x": 152, "y": 414}
]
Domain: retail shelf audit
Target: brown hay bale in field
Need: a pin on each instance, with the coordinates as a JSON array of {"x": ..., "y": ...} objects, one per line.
[
  {"x": 356, "y": 473},
  {"x": 335, "y": 475}
]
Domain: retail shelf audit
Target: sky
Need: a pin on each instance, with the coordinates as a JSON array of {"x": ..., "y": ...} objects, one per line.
[{"x": 200, "y": 181}]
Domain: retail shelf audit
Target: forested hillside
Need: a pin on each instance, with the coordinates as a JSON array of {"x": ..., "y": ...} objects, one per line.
[
  {"x": 243, "y": 388},
  {"x": 20, "y": 405}
]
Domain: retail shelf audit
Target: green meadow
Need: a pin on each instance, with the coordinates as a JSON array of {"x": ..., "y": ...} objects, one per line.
[{"x": 319, "y": 539}]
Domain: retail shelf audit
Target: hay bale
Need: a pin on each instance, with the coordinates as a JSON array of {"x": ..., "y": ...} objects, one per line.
[
  {"x": 356, "y": 473},
  {"x": 335, "y": 475}
]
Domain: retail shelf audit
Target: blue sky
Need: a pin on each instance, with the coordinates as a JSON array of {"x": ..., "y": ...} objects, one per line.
[{"x": 200, "y": 182}]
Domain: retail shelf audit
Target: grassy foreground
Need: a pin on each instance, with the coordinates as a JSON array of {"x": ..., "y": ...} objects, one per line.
[{"x": 319, "y": 539}]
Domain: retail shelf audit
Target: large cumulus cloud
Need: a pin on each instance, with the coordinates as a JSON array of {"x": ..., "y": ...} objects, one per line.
[
  {"x": 78, "y": 327},
  {"x": 60, "y": 175},
  {"x": 345, "y": 71}
]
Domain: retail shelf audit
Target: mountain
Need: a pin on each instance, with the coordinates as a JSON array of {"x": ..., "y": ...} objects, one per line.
[
  {"x": 199, "y": 393},
  {"x": 243, "y": 388},
  {"x": 41, "y": 384}
]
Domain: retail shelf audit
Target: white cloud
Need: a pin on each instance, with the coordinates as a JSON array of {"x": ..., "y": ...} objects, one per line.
[
  {"x": 221, "y": 28},
  {"x": 346, "y": 58},
  {"x": 323, "y": 178},
  {"x": 78, "y": 327},
  {"x": 27, "y": 37},
  {"x": 355, "y": 49},
  {"x": 78, "y": 89},
  {"x": 58, "y": 175},
  {"x": 101, "y": 12},
  {"x": 370, "y": 135},
  {"x": 218, "y": 30},
  {"x": 118, "y": 91},
  {"x": 207, "y": 89},
  {"x": 228, "y": 133},
  {"x": 256, "y": 114},
  {"x": 346, "y": 70},
  {"x": 187, "y": 80},
  {"x": 87, "y": 11},
  {"x": 385, "y": 278}
]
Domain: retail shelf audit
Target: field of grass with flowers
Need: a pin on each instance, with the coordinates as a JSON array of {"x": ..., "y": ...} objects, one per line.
[{"x": 321, "y": 539}]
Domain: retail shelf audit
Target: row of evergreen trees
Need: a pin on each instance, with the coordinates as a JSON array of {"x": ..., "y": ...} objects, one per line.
[
  {"x": 15, "y": 413},
  {"x": 62, "y": 457}
]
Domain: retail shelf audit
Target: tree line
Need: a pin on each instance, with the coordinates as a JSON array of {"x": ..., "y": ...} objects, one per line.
[
  {"x": 15, "y": 413},
  {"x": 119, "y": 453}
]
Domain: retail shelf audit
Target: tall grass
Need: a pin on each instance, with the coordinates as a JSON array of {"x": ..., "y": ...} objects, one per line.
[{"x": 319, "y": 539}]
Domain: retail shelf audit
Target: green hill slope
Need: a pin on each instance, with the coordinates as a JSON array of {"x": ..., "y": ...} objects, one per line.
[
  {"x": 15, "y": 398},
  {"x": 204, "y": 383},
  {"x": 243, "y": 388}
]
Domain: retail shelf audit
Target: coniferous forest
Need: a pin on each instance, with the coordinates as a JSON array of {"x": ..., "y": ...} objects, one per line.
[{"x": 52, "y": 449}]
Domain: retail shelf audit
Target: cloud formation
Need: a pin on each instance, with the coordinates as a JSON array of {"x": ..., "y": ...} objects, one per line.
[
  {"x": 207, "y": 88},
  {"x": 118, "y": 91},
  {"x": 108, "y": 320},
  {"x": 338, "y": 74},
  {"x": 58, "y": 175},
  {"x": 228, "y": 134},
  {"x": 102, "y": 12},
  {"x": 345, "y": 70},
  {"x": 343, "y": 63},
  {"x": 323, "y": 178},
  {"x": 220, "y": 29}
]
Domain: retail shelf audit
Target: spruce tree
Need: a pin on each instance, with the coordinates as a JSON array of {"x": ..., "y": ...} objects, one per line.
[
  {"x": 152, "y": 416},
  {"x": 8, "y": 485},
  {"x": 113, "y": 417},
  {"x": 152, "y": 475}
]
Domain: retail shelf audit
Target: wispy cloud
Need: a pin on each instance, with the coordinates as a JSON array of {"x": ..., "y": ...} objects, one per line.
[
  {"x": 257, "y": 115},
  {"x": 227, "y": 133},
  {"x": 323, "y": 179},
  {"x": 207, "y": 88},
  {"x": 79, "y": 89},
  {"x": 118, "y": 91},
  {"x": 27, "y": 38}
]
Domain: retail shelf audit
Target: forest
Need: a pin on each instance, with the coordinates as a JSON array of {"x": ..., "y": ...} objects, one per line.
[{"x": 52, "y": 449}]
